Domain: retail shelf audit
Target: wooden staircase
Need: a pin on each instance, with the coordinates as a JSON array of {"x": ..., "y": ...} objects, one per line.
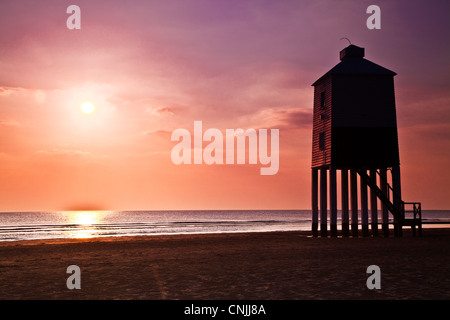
[{"x": 403, "y": 216}]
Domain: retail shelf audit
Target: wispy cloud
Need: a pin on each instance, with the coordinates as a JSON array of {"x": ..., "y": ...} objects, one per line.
[
  {"x": 9, "y": 123},
  {"x": 64, "y": 152},
  {"x": 6, "y": 91},
  {"x": 279, "y": 118},
  {"x": 160, "y": 111}
]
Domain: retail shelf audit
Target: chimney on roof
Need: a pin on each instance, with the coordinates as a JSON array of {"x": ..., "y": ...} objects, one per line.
[{"x": 351, "y": 51}]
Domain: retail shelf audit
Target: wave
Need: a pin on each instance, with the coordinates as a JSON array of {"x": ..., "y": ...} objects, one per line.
[{"x": 52, "y": 225}]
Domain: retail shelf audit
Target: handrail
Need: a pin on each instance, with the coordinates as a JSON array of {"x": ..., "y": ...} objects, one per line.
[
  {"x": 417, "y": 217},
  {"x": 416, "y": 210},
  {"x": 394, "y": 194},
  {"x": 398, "y": 209}
]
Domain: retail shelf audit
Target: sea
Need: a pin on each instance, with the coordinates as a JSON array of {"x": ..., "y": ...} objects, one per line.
[{"x": 15, "y": 226}]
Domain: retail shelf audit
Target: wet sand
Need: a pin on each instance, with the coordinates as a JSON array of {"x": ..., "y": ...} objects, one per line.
[{"x": 262, "y": 266}]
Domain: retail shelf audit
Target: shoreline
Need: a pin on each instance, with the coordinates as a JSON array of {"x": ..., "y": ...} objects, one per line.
[
  {"x": 290, "y": 265},
  {"x": 307, "y": 233},
  {"x": 146, "y": 237}
]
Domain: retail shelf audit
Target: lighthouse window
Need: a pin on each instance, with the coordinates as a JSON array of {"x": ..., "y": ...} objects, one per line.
[
  {"x": 322, "y": 141},
  {"x": 322, "y": 100}
]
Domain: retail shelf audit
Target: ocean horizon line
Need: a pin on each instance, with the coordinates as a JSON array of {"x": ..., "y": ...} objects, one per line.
[{"x": 87, "y": 224}]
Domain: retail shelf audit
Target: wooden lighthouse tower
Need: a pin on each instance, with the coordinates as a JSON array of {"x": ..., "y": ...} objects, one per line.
[{"x": 355, "y": 134}]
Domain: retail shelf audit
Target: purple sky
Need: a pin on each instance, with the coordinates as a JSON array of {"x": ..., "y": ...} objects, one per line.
[{"x": 154, "y": 66}]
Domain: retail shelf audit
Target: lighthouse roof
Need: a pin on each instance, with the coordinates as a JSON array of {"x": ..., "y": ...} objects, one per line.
[{"x": 353, "y": 62}]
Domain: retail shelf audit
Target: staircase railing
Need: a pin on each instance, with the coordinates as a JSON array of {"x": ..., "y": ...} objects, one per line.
[
  {"x": 390, "y": 190},
  {"x": 397, "y": 206},
  {"x": 384, "y": 197},
  {"x": 416, "y": 219}
]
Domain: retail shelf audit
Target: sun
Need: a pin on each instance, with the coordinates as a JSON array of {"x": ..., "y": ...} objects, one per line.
[{"x": 87, "y": 107}]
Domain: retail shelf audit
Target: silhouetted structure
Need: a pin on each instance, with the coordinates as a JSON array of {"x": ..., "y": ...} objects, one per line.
[{"x": 355, "y": 131}]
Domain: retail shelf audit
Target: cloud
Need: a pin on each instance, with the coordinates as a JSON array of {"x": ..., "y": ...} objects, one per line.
[
  {"x": 282, "y": 118},
  {"x": 160, "y": 111},
  {"x": 158, "y": 133},
  {"x": 64, "y": 152},
  {"x": 297, "y": 118},
  {"x": 9, "y": 123},
  {"x": 7, "y": 91}
]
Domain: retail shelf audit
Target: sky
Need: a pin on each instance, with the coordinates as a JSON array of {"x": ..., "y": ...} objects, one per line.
[{"x": 151, "y": 67}]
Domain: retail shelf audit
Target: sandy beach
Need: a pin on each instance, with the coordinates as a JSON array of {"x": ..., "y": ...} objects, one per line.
[{"x": 263, "y": 266}]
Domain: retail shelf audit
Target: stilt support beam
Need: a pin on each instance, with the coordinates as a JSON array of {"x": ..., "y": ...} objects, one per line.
[
  {"x": 323, "y": 202},
  {"x": 354, "y": 202},
  {"x": 364, "y": 208},
  {"x": 333, "y": 202},
  {"x": 315, "y": 201},
  {"x": 344, "y": 193},
  {"x": 373, "y": 206}
]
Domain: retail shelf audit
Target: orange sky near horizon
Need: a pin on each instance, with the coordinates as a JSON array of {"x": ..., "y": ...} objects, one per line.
[{"x": 151, "y": 67}]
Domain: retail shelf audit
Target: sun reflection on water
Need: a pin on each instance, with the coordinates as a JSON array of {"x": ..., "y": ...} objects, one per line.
[{"x": 84, "y": 223}]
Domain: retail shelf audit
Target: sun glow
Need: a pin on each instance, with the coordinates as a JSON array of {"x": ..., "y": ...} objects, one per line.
[
  {"x": 87, "y": 107},
  {"x": 84, "y": 223},
  {"x": 84, "y": 217}
]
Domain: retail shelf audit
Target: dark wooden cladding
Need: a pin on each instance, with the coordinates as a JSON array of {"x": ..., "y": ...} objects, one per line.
[
  {"x": 354, "y": 116},
  {"x": 321, "y": 154},
  {"x": 368, "y": 147},
  {"x": 363, "y": 101}
]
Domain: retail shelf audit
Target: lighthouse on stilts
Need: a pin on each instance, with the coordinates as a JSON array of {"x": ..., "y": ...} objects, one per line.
[{"x": 355, "y": 139}]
